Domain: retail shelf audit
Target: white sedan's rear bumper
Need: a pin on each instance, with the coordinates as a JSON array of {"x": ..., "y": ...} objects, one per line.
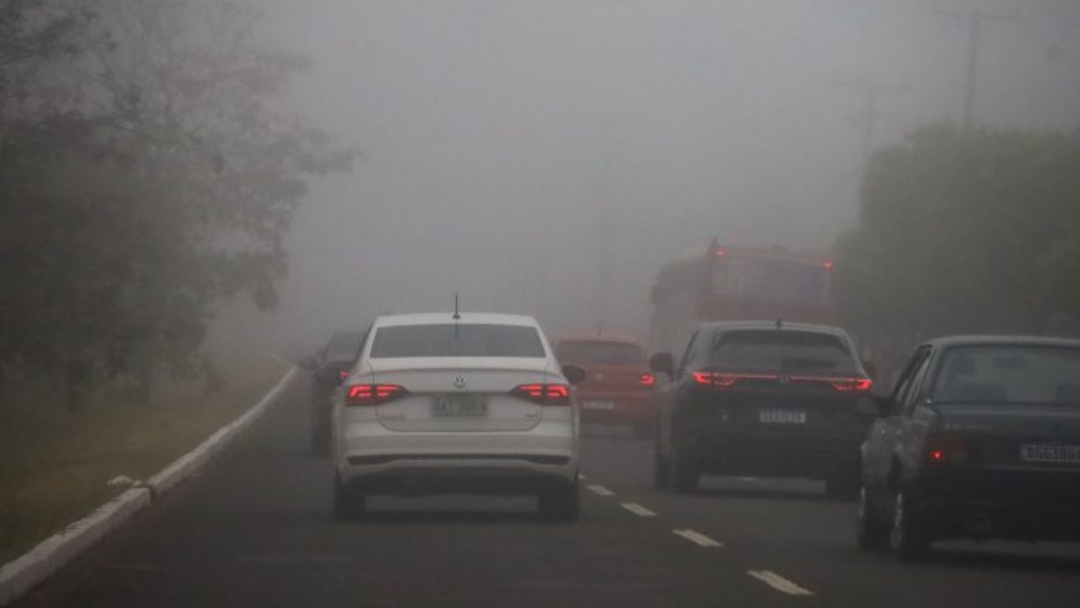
[{"x": 463, "y": 462}]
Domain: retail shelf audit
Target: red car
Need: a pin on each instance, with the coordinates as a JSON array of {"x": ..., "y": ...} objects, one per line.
[{"x": 618, "y": 386}]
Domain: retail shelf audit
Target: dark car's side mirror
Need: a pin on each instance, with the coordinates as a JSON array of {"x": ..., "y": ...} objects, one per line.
[
  {"x": 308, "y": 364},
  {"x": 662, "y": 363},
  {"x": 573, "y": 373}
]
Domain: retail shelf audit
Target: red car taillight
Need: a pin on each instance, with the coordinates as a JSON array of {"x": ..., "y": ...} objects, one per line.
[
  {"x": 727, "y": 380},
  {"x": 343, "y": 374},
  {"x": 647, "y": 380},
  {"x": 373, "y": 394},
  {"x": 544, "y": 394}
]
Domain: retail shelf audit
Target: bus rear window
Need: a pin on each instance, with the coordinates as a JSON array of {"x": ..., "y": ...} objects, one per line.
[
  {"x": 600, "y": 352},
  {"x": 771, "y": 281}
]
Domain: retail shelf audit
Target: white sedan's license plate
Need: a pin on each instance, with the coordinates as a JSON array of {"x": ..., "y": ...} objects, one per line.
[
  {"x": 782, "y": 416},
  {"x": 1050, "y": 452},
  {"x": 458, "y": 405},
  {"x": 598, "y": 405}
]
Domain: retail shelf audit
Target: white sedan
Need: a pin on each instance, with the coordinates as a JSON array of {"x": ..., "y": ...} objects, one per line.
[{"x": 457, "y": 404}]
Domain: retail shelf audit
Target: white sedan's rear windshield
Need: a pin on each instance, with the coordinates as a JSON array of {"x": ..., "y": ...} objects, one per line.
[{"x": 457, "y": 340}]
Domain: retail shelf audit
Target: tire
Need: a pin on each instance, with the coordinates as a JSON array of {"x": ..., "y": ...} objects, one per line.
[
  {"x": 683, "y": 474},
  {"x": 350, "y": 502},
  {"x": 560, "y": 502},
  {"x": 908, "y": 536},
  {"x": 871, "y": 532}
]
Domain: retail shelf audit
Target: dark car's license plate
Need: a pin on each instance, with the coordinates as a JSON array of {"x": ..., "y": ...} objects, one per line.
[{"x": 1050, "y": 452}]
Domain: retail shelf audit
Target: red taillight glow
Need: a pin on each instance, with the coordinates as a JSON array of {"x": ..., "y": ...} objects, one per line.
[
  {"x": 721, "y": 252},
  {"x": 946, "y": 450},
  {"x": 373, "y": 394},
  {"x": 344, "y": 374},
  {"x": 858, "y": 385},
  {"x": 723, "y": 380},
  {"x": 544, "y": 394},
  {"x": 647, "y": 380},
  {"x": 828, "y": 264},
  {"x": 727, "y": 380}
]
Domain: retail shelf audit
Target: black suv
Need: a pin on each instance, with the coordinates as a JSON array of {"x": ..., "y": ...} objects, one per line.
[
  {"x": 329, "y": 367},
  {"x": 980, "y": 439},
  {"x": 764, "y": 399}
]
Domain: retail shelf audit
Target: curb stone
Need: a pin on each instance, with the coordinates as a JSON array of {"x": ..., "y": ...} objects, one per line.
[{"x": 50, "y": 555}]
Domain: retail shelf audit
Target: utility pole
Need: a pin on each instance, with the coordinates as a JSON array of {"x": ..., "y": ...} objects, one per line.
[
  {"x": 976, "y": 18},
  {"x": 869, "y": 115}
]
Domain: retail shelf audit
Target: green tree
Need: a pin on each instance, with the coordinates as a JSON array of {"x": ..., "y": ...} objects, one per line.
[
  {"x": 964, "y": 232},
  {"x": 175, "y": 190}
]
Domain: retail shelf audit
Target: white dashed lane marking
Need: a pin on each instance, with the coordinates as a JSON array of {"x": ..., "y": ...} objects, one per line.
[
  {"x": 637, "y": 509},
  {"x": 697, "y": 538},
  {"x": 600, "y": 490},
  {"x": 778, "y": 582}
]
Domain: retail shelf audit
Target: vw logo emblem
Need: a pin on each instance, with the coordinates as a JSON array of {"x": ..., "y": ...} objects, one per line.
[
  {"x": 785, "y": 379},
  {"x": 459, "y": 382}
]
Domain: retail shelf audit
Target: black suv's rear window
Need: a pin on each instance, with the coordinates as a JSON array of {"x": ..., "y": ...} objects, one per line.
[
  {"x": 600, "y": 352},
  {"x": 457, "y": 340},
  {"x": 783, "y": 351}
]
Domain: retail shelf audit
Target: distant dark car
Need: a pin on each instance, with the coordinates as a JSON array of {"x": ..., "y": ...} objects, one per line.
[
  {"x": 979, "y": 439},
  {"x": 329, "y": 367},
  {"x": 618, "y": 386},
  {"x": 763, "y": 399}
]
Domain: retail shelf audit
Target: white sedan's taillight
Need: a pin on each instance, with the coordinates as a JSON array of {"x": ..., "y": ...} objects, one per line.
[
  {"x": 373, "y": 394},
  {"x": 544, "y": 394}
]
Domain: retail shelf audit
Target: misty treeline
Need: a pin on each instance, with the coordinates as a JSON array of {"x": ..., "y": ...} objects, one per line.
[
  {"x": 964, "y": 232},
  {"x": 145, "y": 174}
]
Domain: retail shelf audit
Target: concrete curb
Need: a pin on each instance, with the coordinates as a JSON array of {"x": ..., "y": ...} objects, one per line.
[{"x": 50, "y": 555}]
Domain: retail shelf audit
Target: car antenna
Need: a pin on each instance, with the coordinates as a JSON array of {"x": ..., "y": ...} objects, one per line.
[{"x": 457, "y": 315}]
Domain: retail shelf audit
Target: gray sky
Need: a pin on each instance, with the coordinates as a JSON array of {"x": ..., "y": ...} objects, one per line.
[{"x": 503, "y": 139}]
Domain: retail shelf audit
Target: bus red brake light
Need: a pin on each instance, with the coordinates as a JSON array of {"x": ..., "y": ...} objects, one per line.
[
  {"x": 647, "y": 380},
  {"x": 544, "y": 394},
  {"x": 373, "y": 394}
]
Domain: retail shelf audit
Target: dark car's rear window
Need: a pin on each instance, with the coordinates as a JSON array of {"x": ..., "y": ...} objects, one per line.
[
  {"x": 1009, "y": 374},
  {"x": 783, "y": 351},
  {"x": 599, "y": 352},
  {"x": 457, "y": 340}
]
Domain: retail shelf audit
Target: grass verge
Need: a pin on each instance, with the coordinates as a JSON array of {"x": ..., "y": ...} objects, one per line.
[{"x": 55, "y": 465}]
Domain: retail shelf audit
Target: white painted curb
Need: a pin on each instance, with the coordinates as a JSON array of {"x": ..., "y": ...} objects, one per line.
[{"x": 22, "y": 574}]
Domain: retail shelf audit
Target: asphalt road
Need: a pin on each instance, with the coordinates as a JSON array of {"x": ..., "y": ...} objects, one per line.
[{"x": 255, "y": 530}]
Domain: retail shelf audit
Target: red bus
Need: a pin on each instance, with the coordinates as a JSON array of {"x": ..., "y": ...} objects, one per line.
[{"x": 740, "y": 283}]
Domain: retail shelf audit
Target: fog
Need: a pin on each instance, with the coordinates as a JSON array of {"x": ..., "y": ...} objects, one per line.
[{"x": 550, "y": 157}]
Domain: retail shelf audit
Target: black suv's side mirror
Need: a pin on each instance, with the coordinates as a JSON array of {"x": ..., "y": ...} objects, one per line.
[
  {"x": 308, "y": 364},
  {"x": 573, "y": 373},
  {"x": 662, "y": 363}
]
